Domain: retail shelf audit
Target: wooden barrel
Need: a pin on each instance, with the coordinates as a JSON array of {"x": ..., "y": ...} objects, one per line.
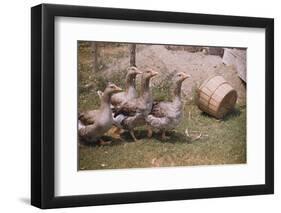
[{"x": 216, "y": 97}]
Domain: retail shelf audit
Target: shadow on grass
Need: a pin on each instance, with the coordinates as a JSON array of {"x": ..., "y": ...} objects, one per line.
[
  {"x": 230, "y": 115},
  {"x": 112, "y": 142},
  {"x": 173, "y": 137},
  {"x": 141, "y": 135}
]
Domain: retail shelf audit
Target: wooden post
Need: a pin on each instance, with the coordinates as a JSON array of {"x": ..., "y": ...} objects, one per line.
[
  {"x": 94, "y": 46},
  {"x": 133, "y": 55}
]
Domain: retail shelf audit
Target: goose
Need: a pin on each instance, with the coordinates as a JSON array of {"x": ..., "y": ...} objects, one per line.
[
  {"x": 132, "y": 113},
  {"x": 167, "y": 115},
  {"x": 94, "y": 123},
  {"x": 130, "y": 88},
  {"x": 121, "y": 97}
]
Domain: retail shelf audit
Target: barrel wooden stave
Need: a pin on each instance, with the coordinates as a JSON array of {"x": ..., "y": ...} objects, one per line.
[{"x": 216, "y": 97}]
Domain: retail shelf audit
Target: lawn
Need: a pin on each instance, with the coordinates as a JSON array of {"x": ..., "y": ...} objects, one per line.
[{"x": 221, "y": 142}]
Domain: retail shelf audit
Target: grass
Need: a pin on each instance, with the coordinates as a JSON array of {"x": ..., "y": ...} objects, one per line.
[{"x": 222, "y": 141}]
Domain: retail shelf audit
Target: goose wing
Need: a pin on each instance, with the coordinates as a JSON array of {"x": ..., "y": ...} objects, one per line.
[
  {"x": 159, "y": 116},
  {"x": 88, "y": 117},
  {"x": 118, "y": 99},
  {"x": 129, "y": 108},
  {"x": 161, "y": 109},
  {"x": 157, "y": 110}
]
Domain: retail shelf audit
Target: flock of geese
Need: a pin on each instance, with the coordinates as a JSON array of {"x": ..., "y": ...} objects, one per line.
[{"x": 127, "y": 110}]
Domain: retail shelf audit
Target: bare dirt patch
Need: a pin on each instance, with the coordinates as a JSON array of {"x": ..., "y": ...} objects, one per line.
[{"x": 199, "y": 65}]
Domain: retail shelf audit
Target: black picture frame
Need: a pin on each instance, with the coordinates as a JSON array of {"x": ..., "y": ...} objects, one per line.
[{"x": 43, "y": 102}]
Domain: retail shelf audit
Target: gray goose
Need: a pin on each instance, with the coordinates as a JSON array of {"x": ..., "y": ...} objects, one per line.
[
  {"x": 130, "y": 88},
  {"x": 121, "y": 97},
  {"x": 166, "y": 115},
  {"x": 132, "y": 113},
  {"x": 94, "y": 123}
]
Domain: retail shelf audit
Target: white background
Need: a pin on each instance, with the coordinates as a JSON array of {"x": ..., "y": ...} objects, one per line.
[
  {"x": 15, "y": 107},
  {"x": 70, "y": 182}
]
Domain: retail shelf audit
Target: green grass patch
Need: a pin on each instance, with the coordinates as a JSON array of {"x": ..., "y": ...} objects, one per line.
[{"x": 221, "y": 142}]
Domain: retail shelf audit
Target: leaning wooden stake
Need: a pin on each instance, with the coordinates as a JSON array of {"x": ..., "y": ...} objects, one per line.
[
  {"x": 133, "y": 55},
  {"x": 95, "y": 56}
]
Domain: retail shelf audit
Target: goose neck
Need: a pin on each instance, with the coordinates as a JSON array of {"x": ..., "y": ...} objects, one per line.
[
  {"x": 130, "y": 82},
  {"x": 145, "y": 86},
  {"x": 105, "y": 100},
  {"x": 177, "y": 90}
]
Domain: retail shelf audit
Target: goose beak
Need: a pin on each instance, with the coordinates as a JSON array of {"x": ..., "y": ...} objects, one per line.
[
  {"x": 138, "y": 72},
  {"x": 154, "y": 73},
  {"x": 118, "y": 89},
  {"x": 186, "y": 76}
]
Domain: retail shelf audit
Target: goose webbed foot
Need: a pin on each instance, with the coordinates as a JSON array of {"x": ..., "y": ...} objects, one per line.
[
  {"x": 102, "y": 142},
  {"x": 118, "y": 131},
  {"x": 163, "y": 136},
  {"x": 149, "y": 132},
  {"x": 115, "y": 132},
  {"x": 133, "y": 135}
]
